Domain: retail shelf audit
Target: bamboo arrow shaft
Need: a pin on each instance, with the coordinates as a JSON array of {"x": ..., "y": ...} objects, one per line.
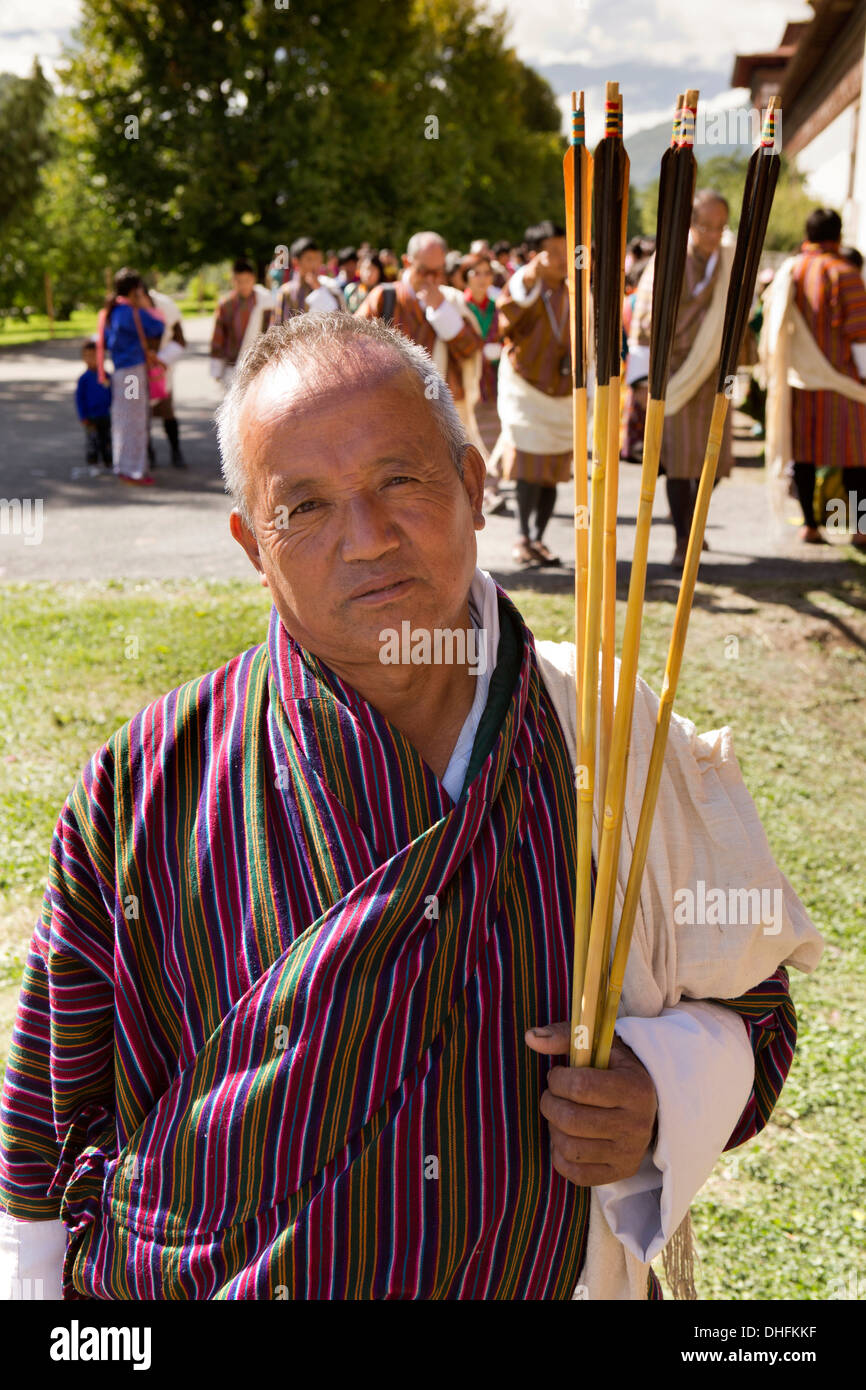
[
  {"x": 663, "y": 718},
  {"x": 675, "y": 192},
  {"x": 614, "y": 801},
  {"x": 581, "y": 1047}
]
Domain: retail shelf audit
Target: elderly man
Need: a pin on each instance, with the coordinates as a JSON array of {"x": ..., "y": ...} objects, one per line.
[
  {"x": 307, "y": 936},
  {"x": 694, "y": 360},
  {"x": 434, "y": 315}
]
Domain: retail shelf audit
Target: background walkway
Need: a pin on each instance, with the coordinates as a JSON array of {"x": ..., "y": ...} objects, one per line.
[{"x": 93, "y": 528}]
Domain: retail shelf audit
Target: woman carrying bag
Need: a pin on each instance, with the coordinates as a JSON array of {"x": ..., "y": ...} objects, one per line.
[{"x": 125, "y": 324}]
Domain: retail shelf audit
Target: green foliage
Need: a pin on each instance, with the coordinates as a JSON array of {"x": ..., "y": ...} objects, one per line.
[
  {"x": 235, "y": 127},
  {"x": 25, "y": 139},
  {"x": 635, "y": 226},
  {"x": 66, "y": 229}
]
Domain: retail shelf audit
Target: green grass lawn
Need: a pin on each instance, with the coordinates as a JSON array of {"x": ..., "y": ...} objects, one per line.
[
  {"x": 783, "y": 1217},
  {"x": 14, "y": 333},
  {"x": 190, "y": 307},
  {"x": 82, "y": 324}
]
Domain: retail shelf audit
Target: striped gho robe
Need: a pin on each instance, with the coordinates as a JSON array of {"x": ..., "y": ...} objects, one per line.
[
  {"x": 827, "y": 429},
  {"x": 230, "y": 324},
  {"x": 270, "y": 1041},
  {"x": 410, "y": 318},
  {"x": 536, "y": 353}
]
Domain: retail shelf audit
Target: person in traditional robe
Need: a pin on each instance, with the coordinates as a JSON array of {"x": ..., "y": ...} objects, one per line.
[
  {"x": 436, "y": 317},
  {"x": 288, "y": 1018},
  {"x": 534, "y": 388},
  {"x": 241, "y": 317},
  {"x": 694, "y": 361},
  {"x": 309, "y": 291},
  {"x": 813, "y": 347},
  {"x": 372, "y": 273},
  {"x": 347, "y": 267},
  {"x": 480, "y": 298}
]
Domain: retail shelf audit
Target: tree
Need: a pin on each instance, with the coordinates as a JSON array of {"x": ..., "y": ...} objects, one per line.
[
  {"x": 25, "y": 139},
  {"x": 237, "y": 126}
]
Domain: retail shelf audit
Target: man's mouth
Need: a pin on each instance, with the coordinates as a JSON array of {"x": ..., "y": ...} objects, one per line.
[{"x": 371, "y": 594}]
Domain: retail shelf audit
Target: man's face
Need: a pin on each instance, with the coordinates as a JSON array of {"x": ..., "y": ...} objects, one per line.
[
  {"x": 427, "y": 268},
  {"x": 309, "y": 265},
  {"x": 708, "y": 223},
  {"x": 244, "y": 283},
  {"x": 360, "y": 516},
  {"x": 555, "y": 249}
]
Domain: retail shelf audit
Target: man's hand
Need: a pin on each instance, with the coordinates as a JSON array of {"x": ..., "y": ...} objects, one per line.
[
  {"x": 601, "y": 1122},
  {"x": 531, "y": 270},
  {"x": 429, "y": 294}
]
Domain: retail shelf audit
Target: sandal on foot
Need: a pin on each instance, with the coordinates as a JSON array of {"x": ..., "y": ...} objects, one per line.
[
  {"x": 522, "y": 553},
  {"x": 542, "y": 554}
]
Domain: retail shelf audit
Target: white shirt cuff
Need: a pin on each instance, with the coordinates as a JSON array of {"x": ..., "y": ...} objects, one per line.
[
  {"x": 637, "y": 366},
  {"x": 518, "y": 291},
  {"x": 31, "y": 1258},
  {"x": 446, "y": 319},
  {"x": 702, "y": 1066}
]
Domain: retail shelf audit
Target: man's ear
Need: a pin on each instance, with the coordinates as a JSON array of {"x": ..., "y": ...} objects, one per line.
[
  {"x": 474, "y": 475},
  {"x": 246, "y": 540}
]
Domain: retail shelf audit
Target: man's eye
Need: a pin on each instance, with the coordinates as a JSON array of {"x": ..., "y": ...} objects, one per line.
[
  {"x": 400, "y": 478},
  {"x": 303, "y": 507}
]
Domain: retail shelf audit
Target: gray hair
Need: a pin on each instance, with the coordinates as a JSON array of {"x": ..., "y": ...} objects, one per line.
[
  {"x": 323, "y": 346},
  {"x": 422, "y": 239}
]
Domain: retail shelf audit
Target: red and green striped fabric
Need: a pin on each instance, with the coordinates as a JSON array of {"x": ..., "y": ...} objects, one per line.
[
  {"x": 828, "y": 429},
  {"x": 270, "y": 1037}
]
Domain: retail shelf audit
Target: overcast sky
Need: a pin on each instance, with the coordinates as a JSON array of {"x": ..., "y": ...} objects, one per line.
[{"x": 652, "y": 48}]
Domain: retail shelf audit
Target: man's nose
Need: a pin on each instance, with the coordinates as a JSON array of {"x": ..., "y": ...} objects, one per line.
[{"x": 368, "y": 531}]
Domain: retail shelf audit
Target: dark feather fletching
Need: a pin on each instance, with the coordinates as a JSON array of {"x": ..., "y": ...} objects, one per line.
[
  {"x": 761, "y": 179},
  {"x": 609, "y": 194},
  {"x": 581, "y": 275},
  {"x": 676, "y": 194}
]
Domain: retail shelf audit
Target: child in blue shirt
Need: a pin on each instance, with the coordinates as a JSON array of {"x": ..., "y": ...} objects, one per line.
[{"x": 93, "y": 402}]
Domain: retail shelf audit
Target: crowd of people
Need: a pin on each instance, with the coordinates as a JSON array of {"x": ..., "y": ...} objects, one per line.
[{"x": 495, "y": 322}]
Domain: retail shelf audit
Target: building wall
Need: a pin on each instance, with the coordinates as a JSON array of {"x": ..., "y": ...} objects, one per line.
[{"x": 827, "y": 161}]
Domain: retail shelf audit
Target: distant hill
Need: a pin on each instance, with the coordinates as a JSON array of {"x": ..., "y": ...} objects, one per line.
[
  {"x": 657, "y": 92},
  {"x": 646, "y": 148}
]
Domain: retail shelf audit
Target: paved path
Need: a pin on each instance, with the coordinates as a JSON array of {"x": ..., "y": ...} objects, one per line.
[{"x": 97, "y": 529}]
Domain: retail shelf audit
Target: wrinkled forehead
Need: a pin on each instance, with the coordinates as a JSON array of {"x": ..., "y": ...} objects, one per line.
[{"x": 294, "y": 392}]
